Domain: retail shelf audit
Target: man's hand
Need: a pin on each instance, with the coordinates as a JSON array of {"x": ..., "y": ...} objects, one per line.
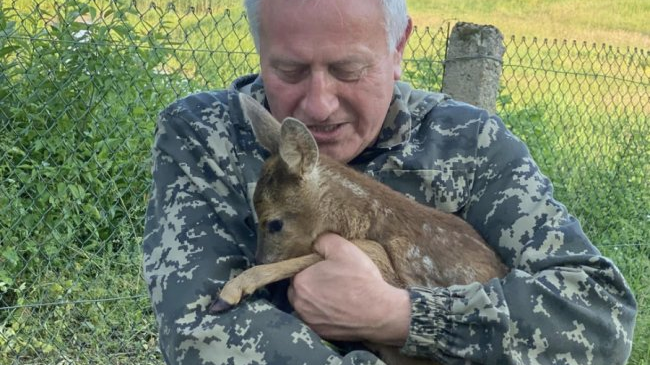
[{"x": 344, "y": 297}]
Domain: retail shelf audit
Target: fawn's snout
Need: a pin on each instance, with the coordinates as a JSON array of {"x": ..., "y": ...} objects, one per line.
[{"x": 261, "y": 255}]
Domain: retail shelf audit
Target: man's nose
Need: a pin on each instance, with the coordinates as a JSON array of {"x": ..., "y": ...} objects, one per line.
[{"x": 320, "y": 99}]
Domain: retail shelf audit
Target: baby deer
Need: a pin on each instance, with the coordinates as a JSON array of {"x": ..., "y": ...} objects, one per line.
[{"x": 301, "y": 195}]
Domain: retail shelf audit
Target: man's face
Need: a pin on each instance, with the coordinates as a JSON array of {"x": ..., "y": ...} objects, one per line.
[{"x": 327, "y": 63}]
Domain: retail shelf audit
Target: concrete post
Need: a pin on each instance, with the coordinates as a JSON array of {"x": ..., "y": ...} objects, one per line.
[{"x": 473, "y": 64}]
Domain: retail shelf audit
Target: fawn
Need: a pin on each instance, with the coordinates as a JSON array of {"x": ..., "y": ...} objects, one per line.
[{"x": 301, "y": 195}]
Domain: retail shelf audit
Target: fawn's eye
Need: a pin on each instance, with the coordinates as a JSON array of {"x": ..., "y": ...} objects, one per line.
[{"x": 274, "y": 226}]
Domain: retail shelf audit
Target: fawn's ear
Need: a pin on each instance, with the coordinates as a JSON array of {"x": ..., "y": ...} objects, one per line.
[
  {"x": 265, "y": 127},
  {"x": 298, "y": 149}
]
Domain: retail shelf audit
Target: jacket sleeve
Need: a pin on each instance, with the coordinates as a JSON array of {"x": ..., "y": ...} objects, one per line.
[
  {"x": 198, "y": 234},
  {"x": 561, "y": 302}
]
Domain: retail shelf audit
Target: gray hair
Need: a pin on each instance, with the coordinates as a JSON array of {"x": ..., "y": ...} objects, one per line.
[{"x": 395, "y": 20}]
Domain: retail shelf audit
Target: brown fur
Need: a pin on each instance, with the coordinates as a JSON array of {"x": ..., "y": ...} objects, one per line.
[{"x": 310, "y": 194}]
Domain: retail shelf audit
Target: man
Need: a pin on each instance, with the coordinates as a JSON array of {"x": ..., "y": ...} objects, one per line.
[{"x": 335, "y": 65}]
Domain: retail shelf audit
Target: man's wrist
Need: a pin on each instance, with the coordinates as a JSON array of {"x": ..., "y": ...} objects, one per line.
[{"x": 394, "y": 318}]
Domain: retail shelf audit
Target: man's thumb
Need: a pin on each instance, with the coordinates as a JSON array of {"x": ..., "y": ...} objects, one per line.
[{"x": 329, "y": 245}]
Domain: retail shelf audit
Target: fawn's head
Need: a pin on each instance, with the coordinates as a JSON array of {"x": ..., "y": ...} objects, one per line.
[{"x": 287, "y": 193}]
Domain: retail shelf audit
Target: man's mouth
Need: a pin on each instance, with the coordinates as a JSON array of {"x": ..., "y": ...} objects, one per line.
[
  {"x": 328, "y": 133},
  {"x": 324, "y": 128}
]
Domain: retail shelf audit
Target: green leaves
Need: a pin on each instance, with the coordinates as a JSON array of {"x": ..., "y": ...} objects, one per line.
[{"x": 77, "y": 111}]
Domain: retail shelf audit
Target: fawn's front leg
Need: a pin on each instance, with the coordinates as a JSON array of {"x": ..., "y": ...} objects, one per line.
[{"x": 257, "y": 277}]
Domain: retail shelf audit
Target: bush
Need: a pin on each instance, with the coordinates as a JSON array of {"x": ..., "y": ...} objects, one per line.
[{"x": 79, "y": 96}]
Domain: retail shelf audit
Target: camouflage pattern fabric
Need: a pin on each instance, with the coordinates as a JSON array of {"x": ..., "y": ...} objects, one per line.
[{"x": 561, "y": 303}]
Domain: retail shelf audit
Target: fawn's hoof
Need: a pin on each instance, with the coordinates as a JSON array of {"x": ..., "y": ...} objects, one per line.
[{"x": 219, "y": 305}]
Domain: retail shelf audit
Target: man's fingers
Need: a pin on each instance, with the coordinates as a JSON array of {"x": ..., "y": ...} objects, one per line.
[
  {"x": 330, "y": 245},
  {"x": 326, "y": 244}
]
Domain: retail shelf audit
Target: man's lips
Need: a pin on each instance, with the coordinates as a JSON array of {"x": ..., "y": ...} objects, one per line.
[
  {"x": 326, "y": 133},
  {"x": 323, "y": 128}
]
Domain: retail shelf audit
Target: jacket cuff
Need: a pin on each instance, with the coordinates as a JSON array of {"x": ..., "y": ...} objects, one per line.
[{"x": 429, "y": 309}]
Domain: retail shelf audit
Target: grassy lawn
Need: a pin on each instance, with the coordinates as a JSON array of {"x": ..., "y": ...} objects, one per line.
[{"x": 622, "y": 23}]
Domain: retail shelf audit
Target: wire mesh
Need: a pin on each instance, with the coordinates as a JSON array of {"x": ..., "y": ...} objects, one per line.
[
  {"x": 81, "y": 83},
  {"x": 584, "y": 112}
]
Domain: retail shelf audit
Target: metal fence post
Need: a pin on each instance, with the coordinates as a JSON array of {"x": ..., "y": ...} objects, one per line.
[{"x": 473, "y": 64}]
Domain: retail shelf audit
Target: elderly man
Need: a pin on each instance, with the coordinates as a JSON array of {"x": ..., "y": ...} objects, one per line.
[{"x": 335, "y": 65}]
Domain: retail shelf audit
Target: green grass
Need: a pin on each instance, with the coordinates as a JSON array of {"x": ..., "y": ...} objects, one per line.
[{"x": 621, "y": 23}]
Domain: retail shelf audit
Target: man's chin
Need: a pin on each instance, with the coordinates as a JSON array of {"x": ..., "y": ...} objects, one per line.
[{"x": 337, "y": 152}]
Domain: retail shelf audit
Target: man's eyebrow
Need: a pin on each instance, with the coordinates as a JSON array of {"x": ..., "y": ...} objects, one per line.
[
  {"x": 346, "y": 64},
  {"x": 352, "y": 60},
  {"x": 355, "y": 61}
]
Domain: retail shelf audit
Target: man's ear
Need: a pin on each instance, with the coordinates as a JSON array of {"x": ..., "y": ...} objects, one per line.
[{"x": 399, "y": 50}]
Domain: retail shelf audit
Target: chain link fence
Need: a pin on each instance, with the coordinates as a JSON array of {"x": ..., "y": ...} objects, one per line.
[{"x": 81, "y": 84}]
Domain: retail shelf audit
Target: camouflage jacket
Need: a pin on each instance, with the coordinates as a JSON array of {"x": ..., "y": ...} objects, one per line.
[{"x": 561, "y": 303}]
